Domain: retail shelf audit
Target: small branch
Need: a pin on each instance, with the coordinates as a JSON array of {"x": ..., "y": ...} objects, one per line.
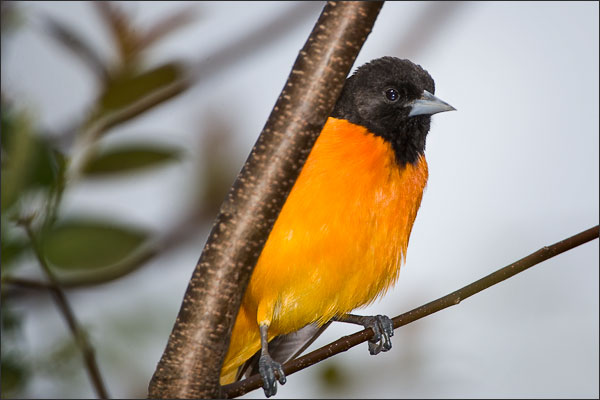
[
  {"x": 202, "y": 70},
  {"x": 72, "y": 42},
  {"x": 158, "y": 96},
  {"x": 26, "y": 283},
  {"x": 184, "y": 232},
  {"x": 100, "y": 126},
  {"x": 343, "y": 344},
  {"x": 65, "y": 308}
]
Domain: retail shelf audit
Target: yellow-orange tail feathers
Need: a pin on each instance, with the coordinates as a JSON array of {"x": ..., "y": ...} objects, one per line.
[{"x": 245, "y": 341}]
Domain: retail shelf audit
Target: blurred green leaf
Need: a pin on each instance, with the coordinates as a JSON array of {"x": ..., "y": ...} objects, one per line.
[
  {"x": 130, "y": 158},
  {"x": 11, "y": 246},
  {"x": 8, "y": 123},
  {"x": 32, "y": 164},
  {"x": 88, "y": 244},
  {"x": 27, "y": 159},
  {"x": 126, "y": 89},
  {"x": 127, "y": 86},
  {"x": 14, "y": 376},
  {"x": 11, "y": 321},
  {"x": 14, "y": 369},
  {"x": 45, "y": 164},
  {"x": 10, "y": 251},
  {"x": 17, "y": 155}
]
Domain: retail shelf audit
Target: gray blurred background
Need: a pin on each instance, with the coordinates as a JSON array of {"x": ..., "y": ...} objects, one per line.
[{"x": 514, "y": 169}]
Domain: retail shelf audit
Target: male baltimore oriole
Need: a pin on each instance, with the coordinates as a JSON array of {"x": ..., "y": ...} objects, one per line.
[{"x": 343, "y": 231}]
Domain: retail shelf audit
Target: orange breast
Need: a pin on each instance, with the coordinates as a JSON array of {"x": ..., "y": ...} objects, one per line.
[{"x": 339, "y": 240}]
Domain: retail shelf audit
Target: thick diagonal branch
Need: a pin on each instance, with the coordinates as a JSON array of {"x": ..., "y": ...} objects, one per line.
[{"x": 191, "y": 363}]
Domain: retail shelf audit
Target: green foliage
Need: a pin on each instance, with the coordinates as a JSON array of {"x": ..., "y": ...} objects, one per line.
[
  {"x": 88, "y": 244},
  {"x": 28, "y": 162},
  {"x": 35, "y": 173},
  {"x": 126, "y": 89},
  {"x": 32, "y": 165},
  {"x": 129, "y": 158},
  {"x": 14, "y": 375},
  {"x": 12, "y": 246},
  {"x": 14, "y": 369}
]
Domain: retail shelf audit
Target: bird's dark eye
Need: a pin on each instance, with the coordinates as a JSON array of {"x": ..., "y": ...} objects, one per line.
[{"x": 392, "y": 94}]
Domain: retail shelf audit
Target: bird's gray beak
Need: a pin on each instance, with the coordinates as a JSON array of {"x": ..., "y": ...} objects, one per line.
[{"x": 428, "y": 104}]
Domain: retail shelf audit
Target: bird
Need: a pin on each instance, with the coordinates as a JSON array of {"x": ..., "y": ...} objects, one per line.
[{"x": 343, "y": 231}]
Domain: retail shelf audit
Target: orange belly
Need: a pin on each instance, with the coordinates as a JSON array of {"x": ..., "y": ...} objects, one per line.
[{"x": 338, "y": 242}]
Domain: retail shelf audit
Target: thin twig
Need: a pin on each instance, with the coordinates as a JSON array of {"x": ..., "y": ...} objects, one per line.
[
  {"x": 72, "y": 42},
  {"x": 200, "y": 70},
  {"x": 343, "y": 344},
  {"x": 26, "y": 283},
  {"x": 100, "y": 126},
  {"x": 181, "y": 234},
  {"x": 64, "y": 306}
]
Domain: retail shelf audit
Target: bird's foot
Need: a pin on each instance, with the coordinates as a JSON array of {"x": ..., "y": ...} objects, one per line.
[
  {"x": 267, "y": 369},
  {"x": 383, "y": 330}
]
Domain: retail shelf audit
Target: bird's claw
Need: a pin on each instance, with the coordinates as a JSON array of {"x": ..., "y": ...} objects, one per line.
[
  {"x": 383, "y": 330},
  {"x": 267, "y": 369}
]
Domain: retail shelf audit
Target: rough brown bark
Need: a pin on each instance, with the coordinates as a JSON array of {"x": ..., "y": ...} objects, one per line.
[{"x": 197, "y": 345}]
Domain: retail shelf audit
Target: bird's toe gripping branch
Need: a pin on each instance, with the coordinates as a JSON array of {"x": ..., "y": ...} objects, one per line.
[
  {"x": 383, "y": 330},
  {"x": 382, "y": 326},
  {"x": 267, "y": 369}
]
